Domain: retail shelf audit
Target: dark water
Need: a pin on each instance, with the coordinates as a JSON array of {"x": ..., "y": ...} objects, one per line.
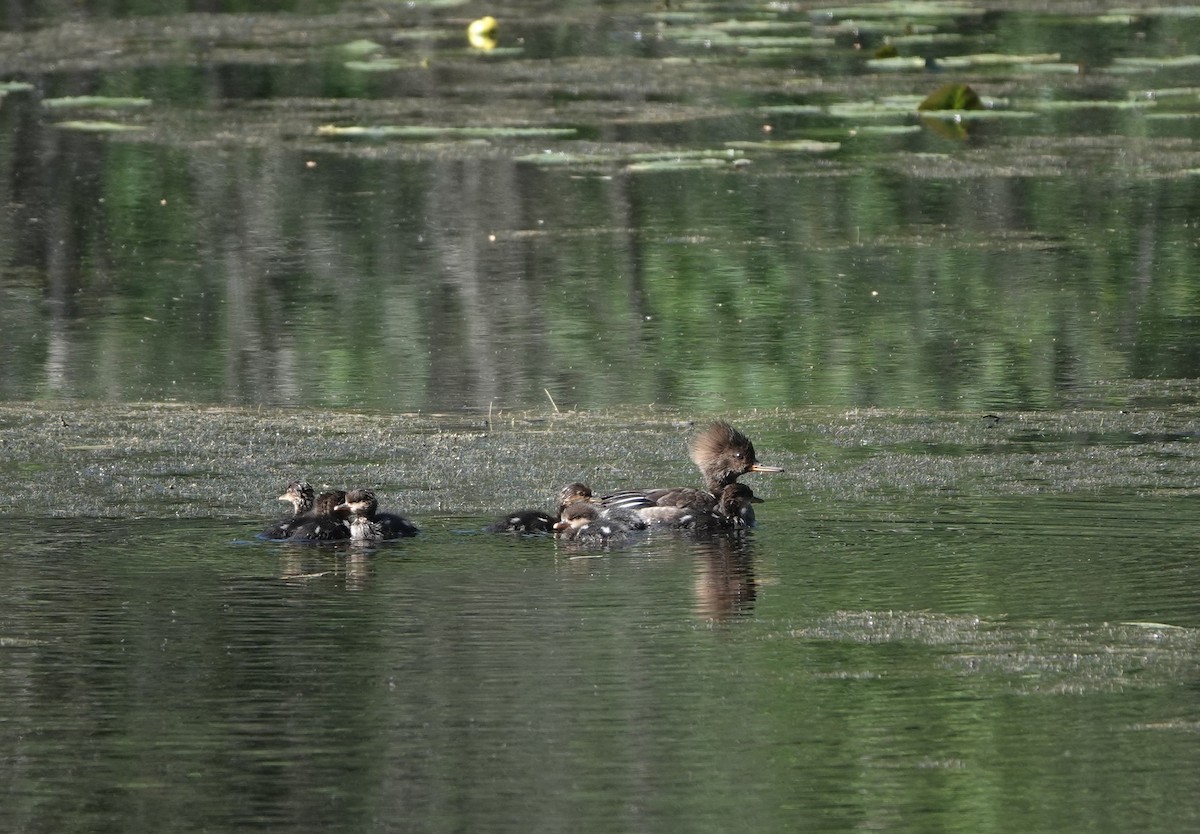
[{"x": 1028, "y": 664}]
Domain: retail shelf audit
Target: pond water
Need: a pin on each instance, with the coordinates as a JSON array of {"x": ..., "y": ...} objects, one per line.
[
  {"x": 335, "y": 240},
  {"x": 1003, "y": 667},
  {"x": 937, "y": 624},
  {"x": 716, "y": 206}
]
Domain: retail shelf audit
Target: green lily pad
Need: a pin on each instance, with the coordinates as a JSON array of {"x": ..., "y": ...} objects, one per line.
[
  {"x": 1172, "y": 117},
  {"x": 683, "y": 164},
  {"x": 98, "y": 127},
  {"x": 886, "y": 130},
  {"x": 977, "y": 115},
  {"x": 793, "y": 109},
  {"x": 1093, "y": 104},
  {"x": 652, "y": 161},
  {"x": 361, "y": 48},
  {"x": 952, "y": 97},
  {"x": 897, "y": 62},
  {"x": 1159, "y": 11},
  {"x": 665, "y": 156},
  {"x": 1186, "y": 94},
  {"x": 430, "y": 132},
  {"x": 793, "y": 145},
  {"x": 109, "y": 102},
  {"x": 14, "y": 87},
  {"x": 380, "y": 65},
  {"x": 900, "y": 8},
  {"x": 1150, "y": 63},
  {"x": 718, "y": 38},
  {"x": 997, "y": 59},
  {"x": 883, "y": 108},
  {"x": 1049, "y": 67}
]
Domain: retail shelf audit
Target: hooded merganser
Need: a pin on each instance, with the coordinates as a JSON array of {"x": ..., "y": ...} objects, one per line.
[
  {"x": 302, "y": 497},
  {"x": 585, "y": 521},
  {"x": 731, "y": 510},
  {"x": 536, "y": 521},
  {"x": 722, "y": 453},
  {"x": 325, "y": 522},
  {"x": 367, "y": 524}
]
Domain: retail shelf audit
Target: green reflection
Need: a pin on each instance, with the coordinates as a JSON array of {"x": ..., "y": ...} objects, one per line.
[{"x": 224, "y": 252}]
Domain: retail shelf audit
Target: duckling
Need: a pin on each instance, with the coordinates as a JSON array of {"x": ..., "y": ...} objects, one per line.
[
  {"x": 302, "y": 498},
  {"x": 368, "y": 524},
  {"x": 326, "y": 521}
]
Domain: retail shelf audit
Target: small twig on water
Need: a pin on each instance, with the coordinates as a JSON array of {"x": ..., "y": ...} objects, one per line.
[{"x": 552, "y": 402}]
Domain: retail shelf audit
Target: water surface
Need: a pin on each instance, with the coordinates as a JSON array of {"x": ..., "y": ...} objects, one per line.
[
  {"x": 1028, "y": 665},
  {"x": 335, "y": 241}
]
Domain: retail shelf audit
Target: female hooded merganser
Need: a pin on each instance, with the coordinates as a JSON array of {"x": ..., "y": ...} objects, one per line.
[
  {"x": 536, "y": 521},
  {"x": 584, "y": 521},
  {"x": 326, "y": 522},
  {"x": 302, "y": 497},
  {"x": 722, "y": 453},
  {"x": 367, "y": 524},
  {"x": 732, "y": 510}
]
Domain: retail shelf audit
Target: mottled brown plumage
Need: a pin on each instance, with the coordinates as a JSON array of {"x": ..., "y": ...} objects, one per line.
[{"x": 723, "y": 454}]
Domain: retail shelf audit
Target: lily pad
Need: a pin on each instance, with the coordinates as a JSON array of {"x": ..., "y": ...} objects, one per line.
[
  {"x": 1150, "y": 63},
  {"x": 682, "y": 164},
  {"x": 1159, "y": 11},
  {"x": 897, "y": 62},
  {"x": 380, "y": 65},
  {"x": 890, "y": 106},
  {"x": 109, "y": 102},
  {"x": 977, "y": 115},
  {"x": 794, "y": 109},
  {"x": 653, "y": 161},
  {"x": 886, "y": 130},
  {"x": 997, "y": 59},
  {"x": 899, "y": 8},
  {"x": 792, "y": 145},
  {"x": 361, "y": 48},
  {"x": 708, "y": 153},
  {"x": 98, "y": 127},
  {"x": 14, "y": 87},
  {"x": 431, "y": 132},
  {"x": 952, "y": 97},
  {"x": 719, "y": 38},
  {"x": 1093, "y": 104}
]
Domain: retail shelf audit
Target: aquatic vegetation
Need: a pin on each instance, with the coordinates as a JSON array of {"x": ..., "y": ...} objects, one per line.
[
  {"x": 434, "y": 132},
  {"x": 97, "y": 126},
  {"x": 105, "y": 102}
]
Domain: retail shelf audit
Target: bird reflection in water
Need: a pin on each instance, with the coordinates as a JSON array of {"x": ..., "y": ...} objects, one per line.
[
  {"x": 348, "y": 562},
  {"x": 724, "y": 582}
]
